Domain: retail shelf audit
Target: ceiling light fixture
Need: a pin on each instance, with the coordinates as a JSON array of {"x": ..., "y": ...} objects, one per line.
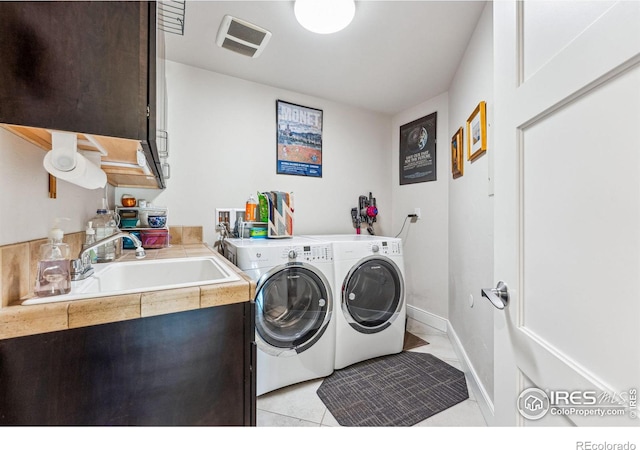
[{"x": 324, "y": 16}]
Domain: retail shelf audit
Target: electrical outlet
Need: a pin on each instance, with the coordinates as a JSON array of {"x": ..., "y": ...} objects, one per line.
[{"x": 417, "y": 212}]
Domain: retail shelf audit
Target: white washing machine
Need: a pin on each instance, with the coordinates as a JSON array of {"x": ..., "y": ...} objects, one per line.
[
  {"x": 370, "y": 303},
  {"x": 295, "y": 317}
]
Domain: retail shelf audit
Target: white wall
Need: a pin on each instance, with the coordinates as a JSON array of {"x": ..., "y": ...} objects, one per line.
[
  {"x": 223, "y": 147},
  {"x": 26, "y": 211},
  {"x": 425, "y": 241},
  {"x": 222, "y": 134},
  {"x": 471, "y": 209}
]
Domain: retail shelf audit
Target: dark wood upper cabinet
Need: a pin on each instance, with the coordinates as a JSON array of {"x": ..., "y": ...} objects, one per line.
[{"x": 81, "y": 66}]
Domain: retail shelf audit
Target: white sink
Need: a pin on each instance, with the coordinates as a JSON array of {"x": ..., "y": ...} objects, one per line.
[{"x": 120, "y": 278}]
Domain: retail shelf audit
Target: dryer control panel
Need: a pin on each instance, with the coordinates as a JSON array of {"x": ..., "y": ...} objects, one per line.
[
  {"x": 308, "y": 253},
  {"x": 389, "y": 248}
]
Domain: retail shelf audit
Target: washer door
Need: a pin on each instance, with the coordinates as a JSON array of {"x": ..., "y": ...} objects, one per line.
[
  {"x": 293, "y": 308},
  {"x": 372, "y": 294}
]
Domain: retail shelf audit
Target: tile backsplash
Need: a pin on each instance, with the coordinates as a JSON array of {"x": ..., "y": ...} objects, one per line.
[{"x": 19, "y": 261}]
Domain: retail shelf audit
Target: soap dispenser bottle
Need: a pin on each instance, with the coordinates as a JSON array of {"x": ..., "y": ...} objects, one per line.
[
  {"x": 54, "y": 276},
  {"x": 89, "y": 240}
]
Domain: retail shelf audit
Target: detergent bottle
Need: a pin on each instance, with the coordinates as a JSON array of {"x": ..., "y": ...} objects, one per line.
[
  {"x": 263, "y": 208},
  {"x": 251, "y": 210},
  {"x": 104, "y": 224}
]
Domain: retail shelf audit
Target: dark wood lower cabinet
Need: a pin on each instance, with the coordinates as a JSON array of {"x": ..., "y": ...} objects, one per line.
[{"x": 188, "y": 368}]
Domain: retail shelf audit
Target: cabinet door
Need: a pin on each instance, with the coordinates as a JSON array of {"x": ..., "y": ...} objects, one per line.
[
  {"x": 187, "y": 368},
  {"x": 76, "y": 66}
]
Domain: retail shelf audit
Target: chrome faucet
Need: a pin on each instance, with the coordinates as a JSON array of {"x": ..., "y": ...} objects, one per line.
[{"x": 81, "y": 267}]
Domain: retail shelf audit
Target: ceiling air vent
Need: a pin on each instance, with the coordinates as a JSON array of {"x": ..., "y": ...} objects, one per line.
[{"x": 242, "y": 37}]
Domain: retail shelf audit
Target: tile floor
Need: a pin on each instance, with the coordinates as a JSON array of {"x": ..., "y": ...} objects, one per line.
[{"x": 299, "y": 405}]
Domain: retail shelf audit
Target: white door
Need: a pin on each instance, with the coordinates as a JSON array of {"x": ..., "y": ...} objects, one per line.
[{"x": 567, "y": 212}]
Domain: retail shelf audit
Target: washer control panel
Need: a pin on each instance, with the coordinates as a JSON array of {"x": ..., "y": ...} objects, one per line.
[
  {"x": 309, "y": 253},
  {"x": 386, "y": 248}
]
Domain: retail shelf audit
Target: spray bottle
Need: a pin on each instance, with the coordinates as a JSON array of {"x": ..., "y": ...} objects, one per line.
[{"x": 54, "y": 275}]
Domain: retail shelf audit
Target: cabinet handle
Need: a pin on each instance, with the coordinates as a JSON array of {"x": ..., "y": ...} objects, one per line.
[{"x": 163, "y": 134}]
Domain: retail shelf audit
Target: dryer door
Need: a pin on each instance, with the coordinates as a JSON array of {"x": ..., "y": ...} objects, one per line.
[
  {"x": 372, "y": 294},
  {"x": 293, "y": 308}
]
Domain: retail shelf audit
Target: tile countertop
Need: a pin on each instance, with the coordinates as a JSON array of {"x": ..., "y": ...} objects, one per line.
[{"x": 23, "y": 320}]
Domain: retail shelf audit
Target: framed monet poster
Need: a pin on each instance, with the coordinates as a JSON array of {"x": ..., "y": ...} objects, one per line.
[
  {"x": 477, "y": 132},
  {"x": 457, "y": 158},
  {"x": 299, "y": 140},
  {"x": 418, "y": 150}
]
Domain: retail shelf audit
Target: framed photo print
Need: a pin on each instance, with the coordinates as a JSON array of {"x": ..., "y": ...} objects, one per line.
[
  {"x": 418, "y": 150},
  {"x": 477, "y": 132},
  {"x": 457, "y": 158},
  {"x": 299, "y": 140}
]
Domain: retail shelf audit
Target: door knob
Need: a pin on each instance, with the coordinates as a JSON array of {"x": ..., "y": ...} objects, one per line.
[{"x": 499, "y": 296}]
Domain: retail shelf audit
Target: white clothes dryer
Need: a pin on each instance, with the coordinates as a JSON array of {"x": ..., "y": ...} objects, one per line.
[
  {"x": 370, "y": 298},
  {"x": 295, "y": 318}
]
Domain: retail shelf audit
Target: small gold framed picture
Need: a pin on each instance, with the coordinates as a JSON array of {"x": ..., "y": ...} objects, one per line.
[
  {"x": 477, "y": 132},
  {"x": 457, "y": 158}
]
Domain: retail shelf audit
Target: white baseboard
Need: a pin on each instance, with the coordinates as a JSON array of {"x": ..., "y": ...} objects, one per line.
[
  {"x": 427, "y": 318},
  {"x": 482, "y": 396},
  {"x": 440, "y": 323}
]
